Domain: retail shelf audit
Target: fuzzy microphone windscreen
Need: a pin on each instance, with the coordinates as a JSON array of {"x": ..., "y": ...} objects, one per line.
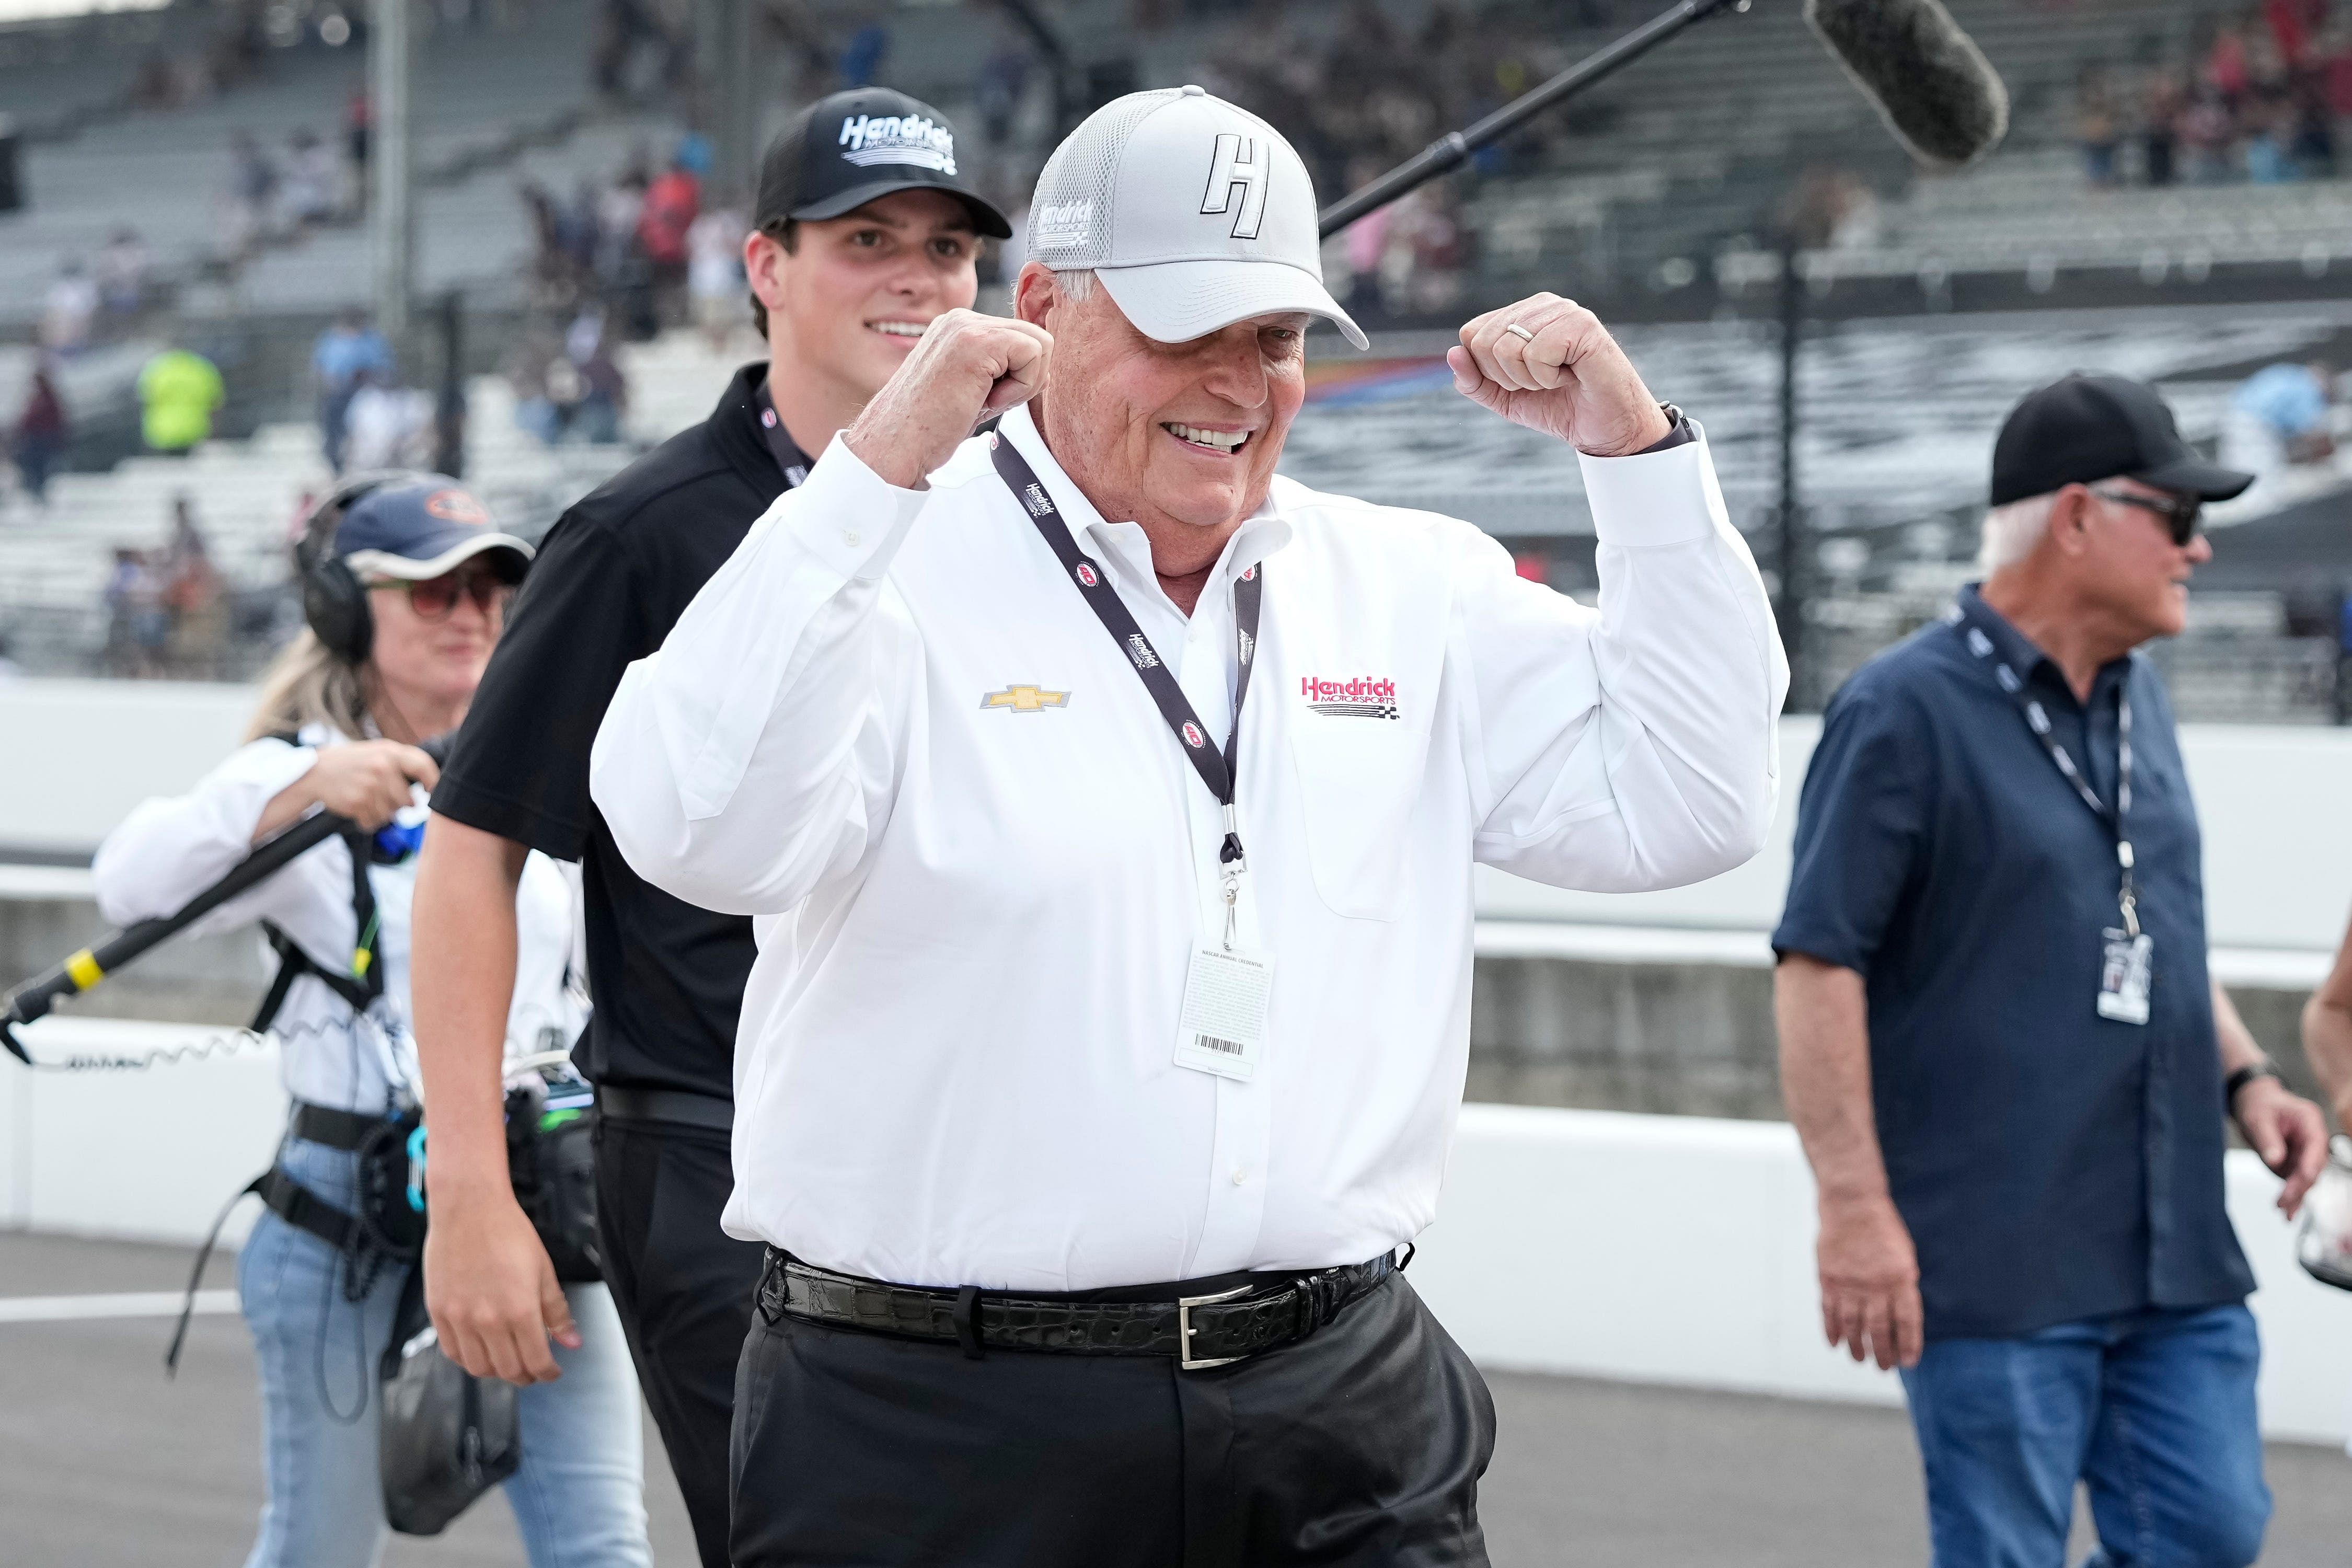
[{"x": 1933, "y": 85}]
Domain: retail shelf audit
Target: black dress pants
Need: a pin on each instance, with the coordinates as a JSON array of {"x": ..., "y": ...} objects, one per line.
[
  {"x": 1361, "y": 1445},
  {"x": 684, "y": 1288}
]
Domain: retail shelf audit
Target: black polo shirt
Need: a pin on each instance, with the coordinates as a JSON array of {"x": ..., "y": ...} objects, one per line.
[
  {"x": 611, "y": 579},
  {"x": 2051, "y": 1165}
]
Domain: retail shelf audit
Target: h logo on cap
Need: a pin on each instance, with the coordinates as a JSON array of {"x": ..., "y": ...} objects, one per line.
[{"x": 1239, "y": 162}]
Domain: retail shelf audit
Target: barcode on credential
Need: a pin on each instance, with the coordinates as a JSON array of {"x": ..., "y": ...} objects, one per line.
[{"x": 1230, "y": 1048}]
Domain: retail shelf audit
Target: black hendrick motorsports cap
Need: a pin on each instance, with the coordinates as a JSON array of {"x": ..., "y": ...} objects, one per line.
[
  {"x": 846, "y": 150},
  {"x": 2091, "y": 427}
]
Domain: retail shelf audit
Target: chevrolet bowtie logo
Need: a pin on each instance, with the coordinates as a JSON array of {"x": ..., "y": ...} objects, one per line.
[{"x": 1025, "y": 698}]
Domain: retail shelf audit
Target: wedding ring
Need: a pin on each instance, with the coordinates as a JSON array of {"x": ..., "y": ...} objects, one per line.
[{"x": 1515, "y": 328}]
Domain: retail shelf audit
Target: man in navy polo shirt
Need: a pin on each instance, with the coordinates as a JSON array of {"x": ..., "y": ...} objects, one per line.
[{"x": 1997, "y": 1039}]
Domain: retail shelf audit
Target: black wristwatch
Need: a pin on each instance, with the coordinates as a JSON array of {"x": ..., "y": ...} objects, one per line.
[{"x": 2244, "y": 1075}]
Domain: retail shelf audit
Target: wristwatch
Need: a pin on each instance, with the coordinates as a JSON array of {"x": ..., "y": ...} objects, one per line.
[{"x": 2244, "y": 1075}]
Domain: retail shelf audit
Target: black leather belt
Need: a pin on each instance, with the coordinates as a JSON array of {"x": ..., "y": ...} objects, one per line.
[
  {"x": 682, "y": 1105},
  {"x": 349, "y": 1130},
  {"x": 1199, "y": 1331}
]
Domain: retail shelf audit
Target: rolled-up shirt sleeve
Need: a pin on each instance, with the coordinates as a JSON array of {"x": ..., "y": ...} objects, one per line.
[
  {"x": 1633, "y": 746},
  {"x": 757, "y": 751},
  {"x": 171, "y": 849}
]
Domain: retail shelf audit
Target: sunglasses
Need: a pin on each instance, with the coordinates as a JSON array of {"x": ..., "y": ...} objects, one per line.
[
  {"x": 435, "y": 598},
  {"x": 2180, "y": 513}
]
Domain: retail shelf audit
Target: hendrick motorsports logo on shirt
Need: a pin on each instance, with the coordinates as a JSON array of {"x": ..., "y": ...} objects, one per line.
[
  {"x": 1364, "y": 697},
  {"x": 893, "y": 139}
]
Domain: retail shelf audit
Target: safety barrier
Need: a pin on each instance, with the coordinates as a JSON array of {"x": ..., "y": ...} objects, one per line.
[{"x": 1648, "y": 1248}]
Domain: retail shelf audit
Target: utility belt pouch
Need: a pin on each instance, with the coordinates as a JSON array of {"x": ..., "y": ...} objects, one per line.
[
  {"x": 446, "y": 1436},
  {"x": 551, "y": 1162}
]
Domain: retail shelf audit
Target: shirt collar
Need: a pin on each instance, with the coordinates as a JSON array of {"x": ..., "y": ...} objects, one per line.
[
  {"x": 734, "y": 428},
  {"x": 1969, "y": 613},
  {"x": 1262, "y": 533}
]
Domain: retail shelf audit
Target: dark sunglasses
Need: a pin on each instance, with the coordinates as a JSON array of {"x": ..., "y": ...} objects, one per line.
[
  {"x": 2180, "y": 513},
  {"x": 435, "y": 598}
]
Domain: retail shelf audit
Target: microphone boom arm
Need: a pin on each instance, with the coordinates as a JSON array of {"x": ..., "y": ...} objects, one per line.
[
  {"x": 34, "y": 999},
  {"x": 1452, "y": 150}
]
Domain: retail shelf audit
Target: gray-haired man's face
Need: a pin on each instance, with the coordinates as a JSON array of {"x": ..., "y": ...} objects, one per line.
[{"x": 1186, "y": 433}]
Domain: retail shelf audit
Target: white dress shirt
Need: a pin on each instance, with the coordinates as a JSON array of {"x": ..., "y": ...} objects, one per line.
[
  {"x": 957, "y": 1056},
  {"x": 170, "y": 849}
]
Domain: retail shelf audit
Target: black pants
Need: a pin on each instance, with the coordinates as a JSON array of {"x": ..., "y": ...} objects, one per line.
[
  {"x": 684, "y": 1288},
  {"x": 1361, "y": 1445}
]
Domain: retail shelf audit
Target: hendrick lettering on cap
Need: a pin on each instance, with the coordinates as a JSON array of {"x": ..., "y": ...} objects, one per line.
[
  {"x": 914, "y": 139},
  {"x": 1057, "y": 226}
]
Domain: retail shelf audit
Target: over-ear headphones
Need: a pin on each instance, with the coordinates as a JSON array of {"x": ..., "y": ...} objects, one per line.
[{"x": 334, "y": 601}]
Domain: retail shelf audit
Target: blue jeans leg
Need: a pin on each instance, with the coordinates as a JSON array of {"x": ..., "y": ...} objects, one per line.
[
  {"x": 323, "y": 1503},
  {"x": 579, "y": 1498},
  {"x": 2155, "y": 1410},
  {"x": 2176, "y": 1463},
  {"x": 2003, "y": 1425}
]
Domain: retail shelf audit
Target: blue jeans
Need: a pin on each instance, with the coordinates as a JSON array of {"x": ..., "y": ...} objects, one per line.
[
  {"x": 2154, "y": 1410},
  {"x": 579, "y": 1496}
]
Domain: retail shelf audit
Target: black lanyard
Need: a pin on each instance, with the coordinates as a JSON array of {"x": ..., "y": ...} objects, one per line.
[
  {"x": 789, "y": 457},
  {"x": 1217, "y": 770},
  {"x": 2037, "y": 719}
]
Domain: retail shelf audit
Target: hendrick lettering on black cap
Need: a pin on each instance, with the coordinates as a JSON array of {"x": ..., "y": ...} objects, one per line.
[
  {"x": 2085, "y": 429},
  {"x": 852, "y": 148}
]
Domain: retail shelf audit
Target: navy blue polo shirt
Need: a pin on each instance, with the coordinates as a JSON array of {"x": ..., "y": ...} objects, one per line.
[{"x": 2051, "y": 1165}]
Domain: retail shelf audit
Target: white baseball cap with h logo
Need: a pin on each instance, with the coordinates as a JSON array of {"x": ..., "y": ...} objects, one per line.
[{"x": 1193, "y": 215}]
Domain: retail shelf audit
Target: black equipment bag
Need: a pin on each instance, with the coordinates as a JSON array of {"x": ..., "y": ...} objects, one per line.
[
  {"x": 551, "y": 1160},
  {"x": 447, "y": 1437}
]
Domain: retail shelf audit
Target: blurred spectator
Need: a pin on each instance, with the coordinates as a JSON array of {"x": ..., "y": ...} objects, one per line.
[
  {"x": 343, "y": 353},
  {"x": 41, "y": 432},
  {"x": 862, "y": 57},
  {"x": 179, "y": 393},
  {"x": 71, "y": 306},
  {"x": 252, "y": 190},
  {"x": 2225, "y": 62},
  {"x": 2206, "y": 132},
  {"x": 122, "y": 275},
  {"x": 2161, "y": 108},
  {"x": 1003, "y": 82},
  {"x": 671, "y": 204},
  {"x": 359, "y": 127},
  {"x": 193, "y": 598},
  {"x": 312, "y": 178},
  {"x": 2096, "y": 128},
  {"x": 2281, "y": 416},
  {"x": 387, "y": 426},
  {"x": 137, "y": 624},
  {"x": 714, "y": 274}
]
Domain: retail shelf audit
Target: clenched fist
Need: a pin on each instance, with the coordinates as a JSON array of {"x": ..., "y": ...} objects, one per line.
[
  {"x": 1567, "y": 378},
  {"x": 967, "y": 368}
]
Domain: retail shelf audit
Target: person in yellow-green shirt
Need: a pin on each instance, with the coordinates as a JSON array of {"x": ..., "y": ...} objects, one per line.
[{"x": 179, "y": 391}]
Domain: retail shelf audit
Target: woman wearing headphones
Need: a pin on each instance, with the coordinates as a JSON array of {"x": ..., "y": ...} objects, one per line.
[{"x": 404, "y": 588}]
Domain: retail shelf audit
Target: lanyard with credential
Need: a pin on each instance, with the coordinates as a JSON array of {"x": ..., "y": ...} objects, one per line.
[
  {"x": 789, "y": 458},
  {"x": 1218, "y": 769},
  {"x": 2037, "y": 719}
]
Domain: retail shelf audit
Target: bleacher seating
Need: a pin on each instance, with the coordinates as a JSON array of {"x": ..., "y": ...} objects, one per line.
[
  {"x": 247, "y": 496},
  {"x": 493, "y": 104}
]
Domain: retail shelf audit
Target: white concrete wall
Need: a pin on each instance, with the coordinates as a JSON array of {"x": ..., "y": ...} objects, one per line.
[
  {"x": 80, "y": 753},
  {"x": 2272, "y": 801},
  {"x": 2278, "y": 841},
  {"x": 1647, "y": 1248}
]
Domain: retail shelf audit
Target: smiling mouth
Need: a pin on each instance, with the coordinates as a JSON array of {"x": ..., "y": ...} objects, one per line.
[
  {"x": 1224, "y": 443},
  {"x": 909, "y": 331}
]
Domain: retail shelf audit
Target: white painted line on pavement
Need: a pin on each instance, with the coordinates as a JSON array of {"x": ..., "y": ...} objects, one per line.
[{"x": 119, "y": 1304}]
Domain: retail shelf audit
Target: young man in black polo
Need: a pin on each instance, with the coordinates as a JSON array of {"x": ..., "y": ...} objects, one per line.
[{"x": 866, "y": 232}]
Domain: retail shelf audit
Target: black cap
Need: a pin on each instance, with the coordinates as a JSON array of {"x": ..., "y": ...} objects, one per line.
[
  {"x": 2086, "y": 428},
  {"x": 843, "y": 151}
]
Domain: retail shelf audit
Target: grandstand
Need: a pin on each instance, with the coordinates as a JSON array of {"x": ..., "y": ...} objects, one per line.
[{"x": 1658, "y": 195}]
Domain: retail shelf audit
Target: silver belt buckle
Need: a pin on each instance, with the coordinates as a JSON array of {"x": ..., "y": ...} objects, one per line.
[{"x": 1184, "y": 1305}]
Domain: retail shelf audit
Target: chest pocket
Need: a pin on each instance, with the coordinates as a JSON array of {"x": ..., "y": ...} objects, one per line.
[{"x": 1357, "y": 780}]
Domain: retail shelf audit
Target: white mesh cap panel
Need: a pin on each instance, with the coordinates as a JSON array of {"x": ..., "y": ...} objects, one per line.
[{"x": 1070, "y": 216}]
